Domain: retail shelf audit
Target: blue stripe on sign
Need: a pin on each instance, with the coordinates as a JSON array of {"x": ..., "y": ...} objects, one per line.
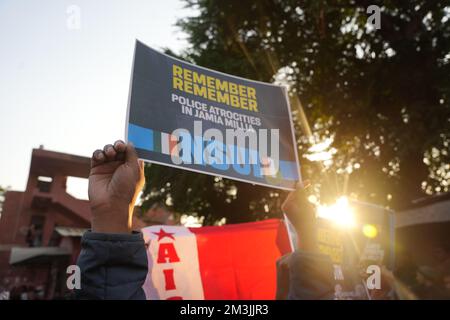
[
  {"x": 289, "y": 170},
  {"x": 142, "y": 138}
]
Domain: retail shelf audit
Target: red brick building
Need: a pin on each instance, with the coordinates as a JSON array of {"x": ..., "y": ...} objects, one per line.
[{"x": 41, "y": 227}]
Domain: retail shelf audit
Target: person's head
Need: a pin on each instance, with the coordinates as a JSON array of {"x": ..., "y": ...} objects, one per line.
[
  {"x": 40, "y": 292},
  {"x": 31, "y": 293},
  {"x": 158, "y": 214}
]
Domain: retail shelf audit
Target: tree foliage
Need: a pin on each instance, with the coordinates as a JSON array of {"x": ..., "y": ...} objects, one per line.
[{"x": 376, "y": 101}]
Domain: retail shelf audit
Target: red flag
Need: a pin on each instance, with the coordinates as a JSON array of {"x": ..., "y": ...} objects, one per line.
[{"x": 228, "y": 262}]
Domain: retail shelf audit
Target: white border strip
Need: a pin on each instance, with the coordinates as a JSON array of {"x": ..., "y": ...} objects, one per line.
[{"x": 130, "y": 92}]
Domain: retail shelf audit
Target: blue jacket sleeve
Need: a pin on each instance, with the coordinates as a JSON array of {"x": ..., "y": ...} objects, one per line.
[{"x": 113, "y": 266}]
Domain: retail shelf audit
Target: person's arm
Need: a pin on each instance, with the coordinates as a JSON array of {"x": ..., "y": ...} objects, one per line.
[
  {"x": 282, "y": 290},
  {"x": 305, "y": 274},
  {"x": 301, "y": 213},
  {"x": 113, "y": 259}
]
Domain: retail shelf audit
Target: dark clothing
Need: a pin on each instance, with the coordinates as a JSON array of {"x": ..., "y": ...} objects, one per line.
[
  {"x": 311, "y": 276},
  {"x": 113, "y": 266}
]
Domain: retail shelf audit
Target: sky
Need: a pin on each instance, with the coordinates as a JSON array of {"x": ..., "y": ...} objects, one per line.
[{"x": 65, "y": 70}]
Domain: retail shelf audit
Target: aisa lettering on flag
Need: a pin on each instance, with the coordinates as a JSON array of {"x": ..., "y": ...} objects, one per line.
[{"x": 214, "y": 262}]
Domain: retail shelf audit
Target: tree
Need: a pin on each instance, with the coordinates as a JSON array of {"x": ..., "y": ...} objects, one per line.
[{"x": 376, "y": 100}]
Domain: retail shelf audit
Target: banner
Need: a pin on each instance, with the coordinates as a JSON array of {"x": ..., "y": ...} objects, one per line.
[
  {"x": 201, "y": 120},
  {"x": 214, "y": 263}
]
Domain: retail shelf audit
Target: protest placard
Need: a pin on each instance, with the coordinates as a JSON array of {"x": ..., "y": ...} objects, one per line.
[{"x": 206, "y": 121}]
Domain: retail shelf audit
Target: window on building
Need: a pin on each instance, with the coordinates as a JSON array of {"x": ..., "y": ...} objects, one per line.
[
  {"x": 77, "y": 187},
  {"x": 44, "y": 183}
]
